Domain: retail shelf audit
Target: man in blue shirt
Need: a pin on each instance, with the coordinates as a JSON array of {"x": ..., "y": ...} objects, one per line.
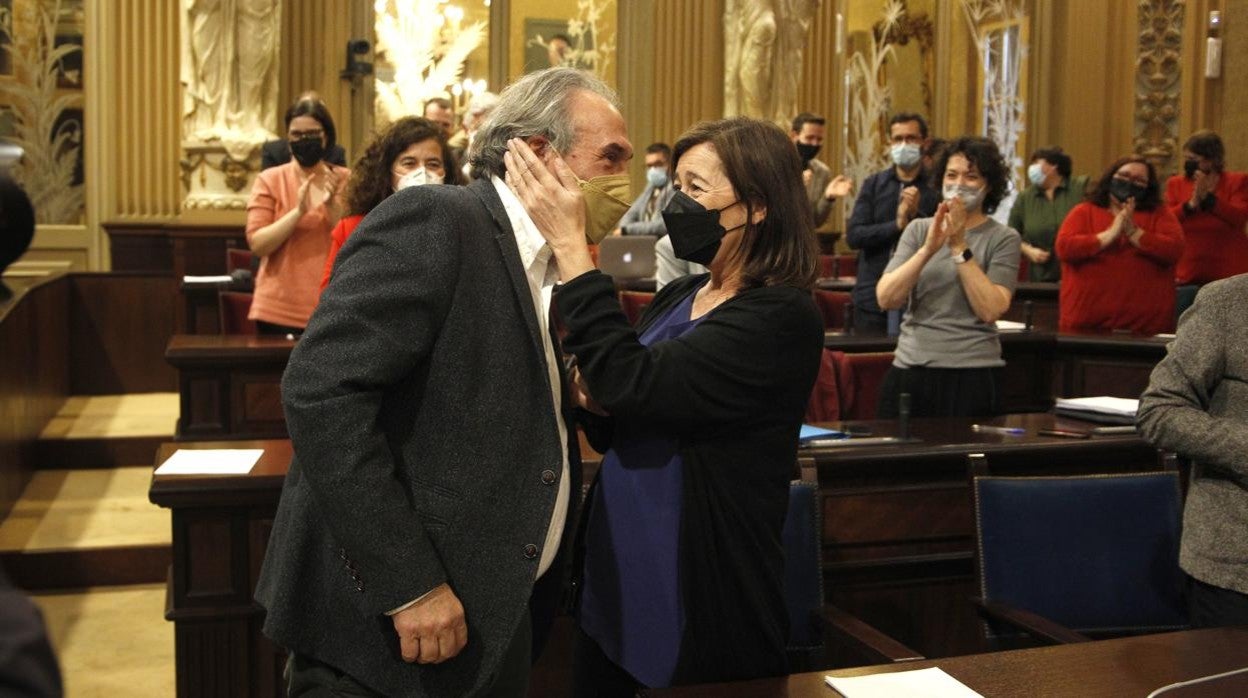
[
  {"x": 645, "y": 216},
  {"x": 889, "y": 200}
]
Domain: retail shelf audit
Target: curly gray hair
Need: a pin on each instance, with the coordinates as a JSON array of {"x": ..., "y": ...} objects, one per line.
[{"x": 535, "y": 105}]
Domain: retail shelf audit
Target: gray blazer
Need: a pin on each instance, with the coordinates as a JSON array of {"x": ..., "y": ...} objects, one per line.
[
  {"x": 1197, "y": 405},
  {"x": 634, "y": 221},
  {"x": 420, "y": 410}
]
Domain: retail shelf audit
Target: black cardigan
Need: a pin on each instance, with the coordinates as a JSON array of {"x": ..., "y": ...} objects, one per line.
[{"x": 732, "y": 392}]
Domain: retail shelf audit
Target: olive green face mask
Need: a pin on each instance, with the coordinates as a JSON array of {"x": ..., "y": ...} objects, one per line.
[{"x": 607, "y": 199}]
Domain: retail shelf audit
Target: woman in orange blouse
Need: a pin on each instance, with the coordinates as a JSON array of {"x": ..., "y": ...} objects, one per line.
[
  {"x": 292, "y": 210},
  {"x": 412, "y": 151},
  {"x": 1118, "y": 251}
]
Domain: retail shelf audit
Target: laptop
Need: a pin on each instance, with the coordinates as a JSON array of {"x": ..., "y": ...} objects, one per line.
[{"x": 627, "y": 256}]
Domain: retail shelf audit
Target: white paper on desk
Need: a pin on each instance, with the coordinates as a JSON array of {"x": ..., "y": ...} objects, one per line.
[
  {"x": 1010, "y": 326},
  {"x": 1120, "y": 406},
  {"x": 210, "y": 461},
  {"x": 220, "y": 279},
  {"x": 920, "y": 683}
]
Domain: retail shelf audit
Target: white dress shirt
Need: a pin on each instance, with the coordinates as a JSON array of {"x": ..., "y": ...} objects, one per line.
[{"x": 542, "y": 274}]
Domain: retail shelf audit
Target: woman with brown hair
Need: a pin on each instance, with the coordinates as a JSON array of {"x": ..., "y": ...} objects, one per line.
[
  {"x": 1118, "y": 251},
  {"x": 700, "y": 407},
  {"x": 411, "y": 152},
  {"x": 292, "y": 209}
]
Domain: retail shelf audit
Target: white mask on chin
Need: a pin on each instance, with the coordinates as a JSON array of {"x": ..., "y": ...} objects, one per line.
[{"x": 416, "y": 178}]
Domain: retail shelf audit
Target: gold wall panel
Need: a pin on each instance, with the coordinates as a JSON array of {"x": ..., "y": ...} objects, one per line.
[
  {"x": 313, "y": 52},
  {"x": 140, "y": 87},
  {"x": 689, "y": 65},
  {"x": 1233, "y": 125}
]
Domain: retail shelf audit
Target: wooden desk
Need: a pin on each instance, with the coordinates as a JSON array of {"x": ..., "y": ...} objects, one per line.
[
  {"x": 1132, "y": 666},
  {"x": 1041, "y": 296},
  {"x": 1027, "y": 383},
  {"x": 229, "y": 385},
  {"x": 1106, "y": 363},
  {"x": 897, "y": 538},
  {"x": 221, "y": 527},
  {"x": 898, "y": 530}
]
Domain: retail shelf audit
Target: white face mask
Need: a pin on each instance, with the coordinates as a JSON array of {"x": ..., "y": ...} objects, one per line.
[
  {"x": 1035, "y": 174},
  {"x": 905, "y": 155},
  {"x": 971, "y": 197},
  {"x": 416, "y": 178}
]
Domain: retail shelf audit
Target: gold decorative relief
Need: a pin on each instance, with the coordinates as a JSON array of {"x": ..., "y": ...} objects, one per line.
[{"x": 1158, "y": 69}]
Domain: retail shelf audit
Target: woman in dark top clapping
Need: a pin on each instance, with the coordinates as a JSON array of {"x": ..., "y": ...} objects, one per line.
[{"x": 700, "y": 406}]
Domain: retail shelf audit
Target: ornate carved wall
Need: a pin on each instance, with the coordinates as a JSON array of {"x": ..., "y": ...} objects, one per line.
[{"x": 1158, "y": 81}]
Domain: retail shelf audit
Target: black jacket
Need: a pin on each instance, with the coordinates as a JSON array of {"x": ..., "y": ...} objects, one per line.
[
  {"x": 732, "y": 391},
  {"x": 419, "y": 405},
  {"x": 872, "y": 228}
]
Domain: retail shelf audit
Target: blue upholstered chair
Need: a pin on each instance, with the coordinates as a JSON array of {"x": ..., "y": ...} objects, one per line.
[
  {"x": 811, "y": 624},
  {"x": 1059, "y": 557}
]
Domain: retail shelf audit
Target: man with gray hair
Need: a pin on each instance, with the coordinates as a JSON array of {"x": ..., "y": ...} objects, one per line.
[{"x": 420, "y": 538}]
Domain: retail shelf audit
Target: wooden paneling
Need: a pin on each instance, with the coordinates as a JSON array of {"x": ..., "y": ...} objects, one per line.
[
  {"x": 141, "y": 90},
  {"x": 313, "y": 52},
  {"x": 120, "y": 324},
  {"x": 34, "y": 377},
  {"x": 689, "y": 65},
  {"x": 1234, "y": 122}
]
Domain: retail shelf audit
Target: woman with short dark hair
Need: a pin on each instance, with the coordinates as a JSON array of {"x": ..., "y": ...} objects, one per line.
[
  {"x": 1211, "y": 204},
  {"x": 1040, "y": 209},
  {"x": 957, "y": 271},
  {"x": 410, "y": 152},
  {"x": 683, "y": 565},
  {"x": 292, "y": 209},
  {"x": 1118, "y": 251}
]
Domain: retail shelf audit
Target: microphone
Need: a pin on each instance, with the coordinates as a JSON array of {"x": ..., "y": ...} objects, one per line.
[{"x": 241, "y": 280}]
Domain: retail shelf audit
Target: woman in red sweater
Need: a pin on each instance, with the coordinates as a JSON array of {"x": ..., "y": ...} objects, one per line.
[
  {"x": 1118, "y": 251},
  {"x": 1212, "y": 207},
  {"x": 410, "y": 152}
]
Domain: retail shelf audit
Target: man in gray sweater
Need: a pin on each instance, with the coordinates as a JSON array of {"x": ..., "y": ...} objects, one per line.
[{"x": 1197, "y": 405}]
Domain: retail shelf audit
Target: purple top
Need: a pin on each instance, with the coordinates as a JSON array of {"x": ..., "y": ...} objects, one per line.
[{"x": 631, "y": 601}]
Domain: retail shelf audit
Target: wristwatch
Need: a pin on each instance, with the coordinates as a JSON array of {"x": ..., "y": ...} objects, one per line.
[{"x": 963, "y": 256}]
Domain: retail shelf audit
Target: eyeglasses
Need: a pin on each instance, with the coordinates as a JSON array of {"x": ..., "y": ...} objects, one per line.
[{"x": 299, "y": 135}]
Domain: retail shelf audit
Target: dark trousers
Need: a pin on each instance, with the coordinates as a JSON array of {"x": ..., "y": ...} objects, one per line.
[
  {"x": 941, "y": 392},
  {"x": 870, "y": 322},
  {"x": 1213, "y": 607},
  {"x": 308, "y": 678},
  {"x": 594, "y": 675}
]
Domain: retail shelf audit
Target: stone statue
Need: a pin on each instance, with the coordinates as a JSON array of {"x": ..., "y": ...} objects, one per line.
[
  {"x": 229, "y": 96},
  {"x": 763, "y": 45},
  {"x": 229, "y": 72}
]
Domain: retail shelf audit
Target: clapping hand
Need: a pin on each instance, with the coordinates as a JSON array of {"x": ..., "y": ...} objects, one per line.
[
  {"x": 838, "y": 187},
  {"x": 938, "y": 231},
  {"x": 907, "y": 206},
  {"x": 1205, "y": 183}
]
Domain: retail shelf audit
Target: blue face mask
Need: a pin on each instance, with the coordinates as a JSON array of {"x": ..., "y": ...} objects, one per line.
[
  {"x": 905, "y": 155},
  {"x": 656, "y": 176},
  {"x": 1036, "y": 174}
]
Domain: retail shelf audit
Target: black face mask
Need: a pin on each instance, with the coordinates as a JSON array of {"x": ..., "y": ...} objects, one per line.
[
  {"x": 307, "y": 151},
  {"x": 1190, "y": 167},
  {"x": 1124, "y": 189},
  {"x": 807, "y": 153},
  {"x": 694, "y": 229}
]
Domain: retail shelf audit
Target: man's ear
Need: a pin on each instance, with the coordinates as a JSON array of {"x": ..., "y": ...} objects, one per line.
[{"x": 540, "y": 145}]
